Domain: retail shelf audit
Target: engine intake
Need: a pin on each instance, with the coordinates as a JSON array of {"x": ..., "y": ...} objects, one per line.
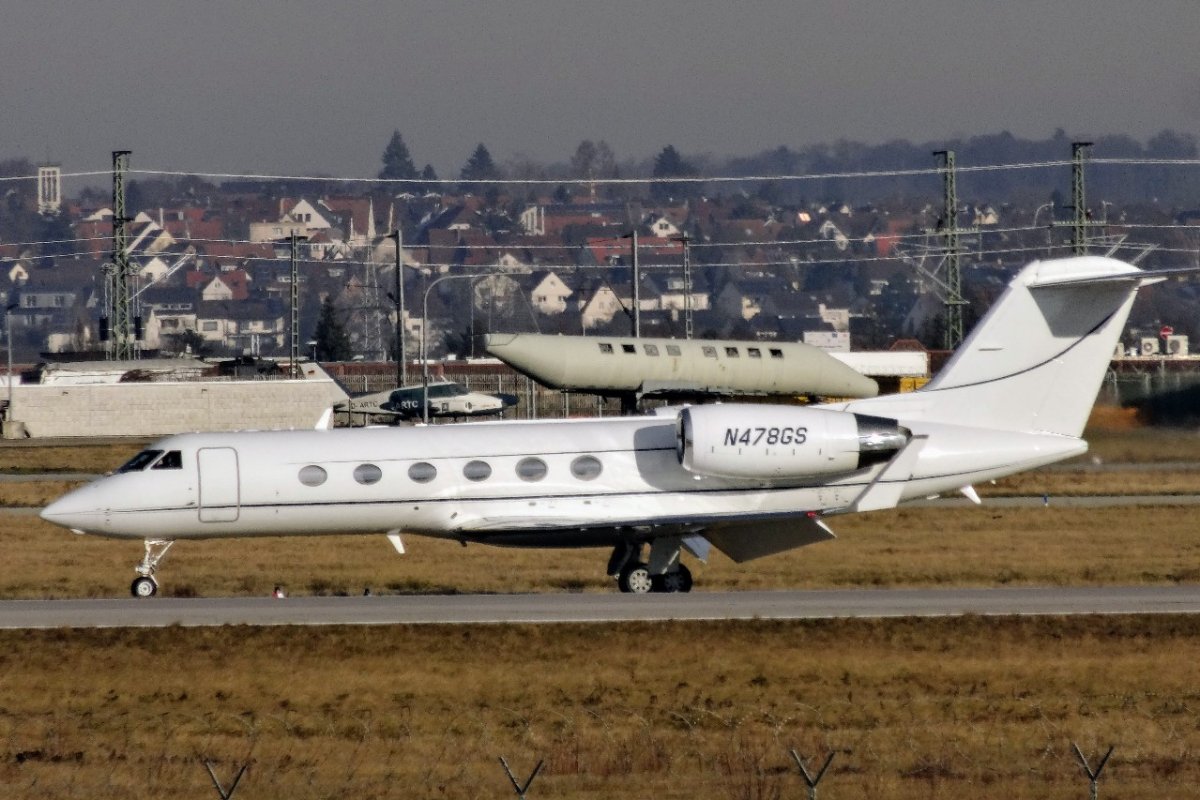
[{"x": 782, "y": 442}]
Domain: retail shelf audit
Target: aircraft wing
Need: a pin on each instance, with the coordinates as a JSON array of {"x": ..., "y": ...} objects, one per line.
[{"x": 741, "y": 538}]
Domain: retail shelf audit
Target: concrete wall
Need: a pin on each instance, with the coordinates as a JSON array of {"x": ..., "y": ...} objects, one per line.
[{"x": 152, "y": 409}]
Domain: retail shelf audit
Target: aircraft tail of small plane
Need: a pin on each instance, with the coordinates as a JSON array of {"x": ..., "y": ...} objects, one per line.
[{"x": 1036, "y": 360}]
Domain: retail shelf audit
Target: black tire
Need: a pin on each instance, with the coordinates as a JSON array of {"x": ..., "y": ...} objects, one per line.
[
  {"x": 143, "y": 587},
  {"x": 679, "y": 580}
]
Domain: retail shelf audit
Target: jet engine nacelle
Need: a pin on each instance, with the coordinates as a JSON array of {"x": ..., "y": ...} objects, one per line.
[{"x": 782, "y": 442}]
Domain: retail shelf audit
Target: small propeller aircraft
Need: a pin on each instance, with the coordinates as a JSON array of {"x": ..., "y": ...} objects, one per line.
[
  {"x": 749, "y": 479},
  {"x": 446, "y": 399}
]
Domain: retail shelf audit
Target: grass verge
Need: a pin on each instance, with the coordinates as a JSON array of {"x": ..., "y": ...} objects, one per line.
[
  {"x": 907, "y": 547},
  {"x": 974, "y": 707}
]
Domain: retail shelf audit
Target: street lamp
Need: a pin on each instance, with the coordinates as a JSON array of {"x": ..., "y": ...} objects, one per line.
[
  {"x": 637, "y": 283},
  {"x": 8, "y": 411},
  {"x": 398, "y": 298},
  {"x": 425, "y": 331},
  {"x": 1037, "y": 211}
]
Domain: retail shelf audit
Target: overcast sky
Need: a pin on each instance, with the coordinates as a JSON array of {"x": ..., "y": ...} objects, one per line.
[{"x": 317, "y": 87}]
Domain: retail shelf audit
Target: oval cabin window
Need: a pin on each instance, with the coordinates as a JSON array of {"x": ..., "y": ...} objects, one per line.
[
  {"x": 312, "y": 475},
  {"x": 586, "y": 468},
  {"x": 477, "y": 471},
  {"x": 422, "y": 472},
  {"x": 531, "y": 469},
  {"x": 367, "y": 474}
]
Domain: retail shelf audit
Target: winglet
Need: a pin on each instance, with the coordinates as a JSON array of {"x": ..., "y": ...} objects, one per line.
[
  {"x": 326, "y": 420},
  {"x": 397, "y": 542}
]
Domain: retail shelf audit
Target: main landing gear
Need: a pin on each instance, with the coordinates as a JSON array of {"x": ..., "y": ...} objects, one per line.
[
  {"x": 145, "y": 585},
  {"x": 663, "y": 573}
]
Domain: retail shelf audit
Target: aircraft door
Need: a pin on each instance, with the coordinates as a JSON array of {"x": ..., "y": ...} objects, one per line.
[{"x": 219, "y": 487}]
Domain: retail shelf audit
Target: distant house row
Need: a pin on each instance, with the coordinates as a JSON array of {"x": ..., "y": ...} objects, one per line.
[{"x": 218, "y": 275}]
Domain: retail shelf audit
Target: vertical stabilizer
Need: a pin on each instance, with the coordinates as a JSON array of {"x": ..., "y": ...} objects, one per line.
[{"x": 1037, "y": 358}]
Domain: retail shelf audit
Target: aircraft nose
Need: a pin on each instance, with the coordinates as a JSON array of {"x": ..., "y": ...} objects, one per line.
[
  {"x": 509, "y": 400},
  {"x": 73, "y": 510}
]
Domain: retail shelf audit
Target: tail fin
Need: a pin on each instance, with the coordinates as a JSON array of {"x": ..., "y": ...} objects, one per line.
[{"x": 1037, "y": 358}]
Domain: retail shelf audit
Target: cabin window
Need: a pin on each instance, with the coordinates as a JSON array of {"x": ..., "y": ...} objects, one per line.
[
  {"x": 531, "y": 469},
  {"x": 477, "y": 471},
  {"x": 586, "y": 468},
  {"x": 776, "y": 352},
  {"x": 367, "y": 474},
  {"x": 754, "y": 352},
  {"x": 673, "y": 350},
  {"x": 628, "y": 348},
  {"x": 422, "y": 472},
  {"x": 172, "y": 459},
  {"x": 605, "y": 347},
  {"x": 312, "y": 475},
  {"x": 651, "y": 349},
  {"x": 732, "y": 352},
  {"x": 140, "y": 461},
  {"x": 709, "y": 351}
]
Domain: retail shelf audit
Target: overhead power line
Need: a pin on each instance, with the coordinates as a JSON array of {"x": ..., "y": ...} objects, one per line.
[
  {"x": 893, "y": 173},
  {"x": 817, "y": 176}
]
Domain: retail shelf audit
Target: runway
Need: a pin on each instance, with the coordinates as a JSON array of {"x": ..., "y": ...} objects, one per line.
[{"x": 598, "y": 608}]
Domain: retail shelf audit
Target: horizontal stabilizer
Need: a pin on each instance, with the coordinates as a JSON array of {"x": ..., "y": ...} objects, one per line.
[
  {"x": 747, "y": 540},
  {"x": 1142, "y": 277}
]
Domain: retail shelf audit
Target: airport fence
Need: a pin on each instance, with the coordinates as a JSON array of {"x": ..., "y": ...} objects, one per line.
[{"x": 759, "y": 777}]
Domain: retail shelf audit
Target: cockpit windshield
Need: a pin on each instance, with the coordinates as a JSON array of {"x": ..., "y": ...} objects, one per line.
[
  {"x": 444, "y": 390},
  {"x": 172, "y": 459},
  {"x": 140, "y": 461}
]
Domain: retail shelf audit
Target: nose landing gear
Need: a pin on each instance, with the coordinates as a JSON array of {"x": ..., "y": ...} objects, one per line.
[{"x": 156, "y": 551}]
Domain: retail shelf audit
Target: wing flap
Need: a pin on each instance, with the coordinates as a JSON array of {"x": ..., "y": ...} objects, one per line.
[
  {"x": 740, "y": 538},
  {"x": 747, "y": 540}
]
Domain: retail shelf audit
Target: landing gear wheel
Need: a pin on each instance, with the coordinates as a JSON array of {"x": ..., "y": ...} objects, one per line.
[
  {"x": 143, "y": 587},
  {"x": 156, "y": 551},
  {"x": 635, "y": 579},
  {"x": 679, "y": 580}
]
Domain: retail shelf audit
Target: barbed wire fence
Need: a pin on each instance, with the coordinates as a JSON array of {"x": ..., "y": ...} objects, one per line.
[{"x": 811, "y": 779}]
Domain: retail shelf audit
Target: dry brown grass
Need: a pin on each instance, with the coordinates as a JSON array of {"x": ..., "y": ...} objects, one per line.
[
  {"x": 980, "y": 708},
  {"x": 1085, "y": 482},
  {"x": 33, "y": 494},
  {"x": 909, "y": 547},
  {"x": 25, "y": 457},
  {"x": 1142, "y": 445}
]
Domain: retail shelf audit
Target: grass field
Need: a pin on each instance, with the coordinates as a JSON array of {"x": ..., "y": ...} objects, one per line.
[
  {"x": 972, "y": 707},
  {"x": 908, "y": 547}
]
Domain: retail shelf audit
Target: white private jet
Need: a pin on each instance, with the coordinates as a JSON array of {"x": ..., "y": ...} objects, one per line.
[{"x": 748, "y": 479}]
